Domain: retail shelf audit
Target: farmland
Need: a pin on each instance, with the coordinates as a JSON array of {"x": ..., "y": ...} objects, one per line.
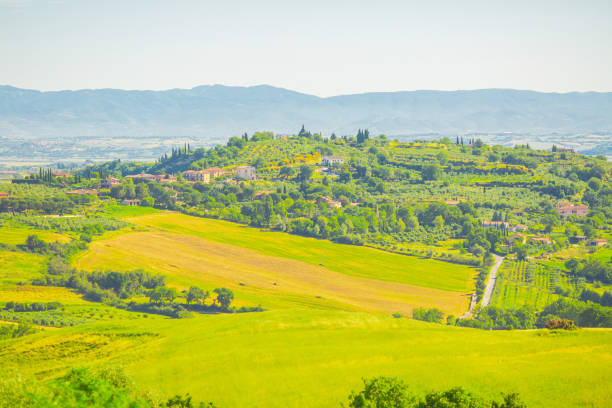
[
  {"x": 288, "y": 289},
  {"x": 271, "y": 267}
]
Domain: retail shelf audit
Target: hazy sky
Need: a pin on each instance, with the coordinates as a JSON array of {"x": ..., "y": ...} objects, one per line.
[{"x": 319, "y": 47}]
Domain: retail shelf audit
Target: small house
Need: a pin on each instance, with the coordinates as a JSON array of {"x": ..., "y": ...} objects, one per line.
[
  {"x": 577, "y": 210},
  {"x": 245, "y": 172},
  {"x": 127, "y": 201},
  {"x": 597, "y": 242},
  {"x": 109, "y": 182},
  {"x": 332, "y": 160},
  {"x": 197, "y": 175}
]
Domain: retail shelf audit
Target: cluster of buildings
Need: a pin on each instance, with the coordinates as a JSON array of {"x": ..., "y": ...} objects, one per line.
[
  {"x": 203, "y": 176},
  {"x": 567, "y": 209}
]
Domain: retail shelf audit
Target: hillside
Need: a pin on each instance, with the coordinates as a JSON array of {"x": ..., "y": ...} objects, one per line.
[{"x": 278, "y": 271}]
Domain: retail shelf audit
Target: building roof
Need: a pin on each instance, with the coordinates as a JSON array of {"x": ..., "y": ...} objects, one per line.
[
  {"x": 573, "y": 207},
  {"x": 333, "y": 157}
]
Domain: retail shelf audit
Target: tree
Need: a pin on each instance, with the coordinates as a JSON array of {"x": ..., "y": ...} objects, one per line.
[
  {"x": 305, "y": 172},
  {"x": 287, "y": 171},
  {"x": 196, "y": 294},
  {"x": 35, "y": 244},
  {"x": 594, "y": 184},
  {"x": 224, "y": 297},
  {"x": 431, "y": 172},
  {"x": 442, "y": 157},
  {"x": 453, "y": 398},
  {"x": 142, "y": 191},
  {"x": 382, "y": 392}
]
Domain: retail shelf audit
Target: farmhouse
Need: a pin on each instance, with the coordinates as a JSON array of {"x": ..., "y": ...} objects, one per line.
[
  {"x": 215, "y": 172},
  {"x": 597, "y": 242},
  {"x": 165, "y": 178},
  {"x": 332, "y": 160},
  {"x": 197, "y": 175},
  {"x": 109, "y": 182},
  {"x": 134, "y": 201},
  {"x": 452, "y": 202},
  {"x": 245, "y": 172},
  {"x": 142, "y": 176},
  {"x": 577, "y": 210}
]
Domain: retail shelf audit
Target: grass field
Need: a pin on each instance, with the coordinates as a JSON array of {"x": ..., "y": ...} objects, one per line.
[
  {"x": 290, "y": 358},
  {"x": 328, "y": 323},
  {"x": 280, "y": 270}
]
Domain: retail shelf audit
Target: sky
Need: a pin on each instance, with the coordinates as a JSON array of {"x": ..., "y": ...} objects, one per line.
[{"x": 323, "y": 48}]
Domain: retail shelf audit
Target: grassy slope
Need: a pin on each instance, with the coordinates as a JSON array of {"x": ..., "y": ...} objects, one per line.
[
  {"x": 314, "y": 358},
  {"x": 301, "y": 353},
  {"x": 346, "y": 259},
  {"x": 280, "y": 270}
]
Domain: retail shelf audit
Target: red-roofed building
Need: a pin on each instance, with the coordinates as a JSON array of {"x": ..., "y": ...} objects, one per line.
[{"x": 577, "y": 210}]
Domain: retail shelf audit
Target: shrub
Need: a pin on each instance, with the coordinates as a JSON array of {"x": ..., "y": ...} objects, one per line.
[{"x": 563, "y": 324}]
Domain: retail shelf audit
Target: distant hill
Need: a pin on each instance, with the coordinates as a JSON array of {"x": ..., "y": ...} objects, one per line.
[{"x": 217, "y": 112}]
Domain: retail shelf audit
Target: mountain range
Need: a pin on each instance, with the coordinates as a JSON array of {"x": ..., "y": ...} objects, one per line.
[{"x": 218, "y": 112}]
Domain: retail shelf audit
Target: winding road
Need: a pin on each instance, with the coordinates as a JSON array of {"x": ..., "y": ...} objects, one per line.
[{"x": 486, "y": 297}]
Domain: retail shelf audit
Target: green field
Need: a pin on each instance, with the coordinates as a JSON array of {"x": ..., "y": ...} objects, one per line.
[
  {"x": 310, "y": 358},
  {"x": 328, "y": 323}
]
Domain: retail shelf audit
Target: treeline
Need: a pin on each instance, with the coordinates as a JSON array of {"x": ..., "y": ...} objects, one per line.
[
  {"x": 392, "y": 392},
  {"x": 32, "y": 307},
  {"x": 591, "y": 269},
  {"x": 555, "y": 315},
  {"x": 117, "y": 288}
]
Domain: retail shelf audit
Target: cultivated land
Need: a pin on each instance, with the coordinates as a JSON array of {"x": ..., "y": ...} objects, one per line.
[
  {"x": 418, "y": 214},
  {"x": 304, "y": 351},
  {"x": 312, "y": 358},
  {"x": 273, "y": 268}
]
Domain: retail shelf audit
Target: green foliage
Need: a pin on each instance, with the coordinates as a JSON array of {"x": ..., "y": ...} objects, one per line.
[
  {"x": 11, "y": 331},
  {"x": 382, "y": 392},
  {"x": 391, "y": 392},
  {"x": 432, "y": 315}
]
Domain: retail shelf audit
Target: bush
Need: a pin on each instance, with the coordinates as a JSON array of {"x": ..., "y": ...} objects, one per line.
[
  {"x": 391, "y": 392},
  {"x": 433, "y": 315},
  {"x": 563, "y": 324}
]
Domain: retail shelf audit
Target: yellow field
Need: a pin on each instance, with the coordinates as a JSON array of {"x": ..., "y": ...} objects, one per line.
[{"x": 273, "y": 281}]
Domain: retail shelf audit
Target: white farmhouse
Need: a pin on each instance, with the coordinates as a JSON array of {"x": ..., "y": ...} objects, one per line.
[
  {"x": 332, "y": 160},
  {"x": 245, "y": 172}
]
